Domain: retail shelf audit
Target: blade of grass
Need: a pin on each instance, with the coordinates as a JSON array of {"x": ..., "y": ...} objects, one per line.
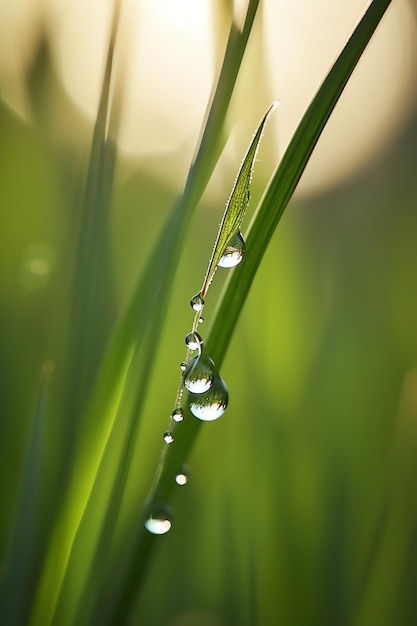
[
  {"x": 151, "y": 295},
  {"x": 16, "y": 589},
  {"x": 91, "y": 307},
  {"x": 266, "y": 218}
]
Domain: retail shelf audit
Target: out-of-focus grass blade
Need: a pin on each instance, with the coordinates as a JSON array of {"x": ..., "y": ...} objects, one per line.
[
  {"x": 236, "y": 205},
  {"x": 265, "y": 220},
  {"x": 111, "y": 422},
  {"x": 90, "y": 296},
  {"x": 20, "y": 563}
]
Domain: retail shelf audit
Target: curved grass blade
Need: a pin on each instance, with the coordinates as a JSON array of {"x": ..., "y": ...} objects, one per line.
[
  {"x": 271, "y": 208},
  {"x": 236, "y": 205}
]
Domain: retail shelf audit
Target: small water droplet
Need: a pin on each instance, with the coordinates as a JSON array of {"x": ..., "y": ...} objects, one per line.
[
  {"x": 183, "y": 366},
  {"x": 197, "y": 302},
  {"x": 193, "y": 341},
  {"x": 234, "y": 251},
  {"x": 177, "y": 415},
  {"x": 200, "y": 373},
  {"x": 211, "y": 405},
  {"x": 181, "y": 478},
  {"x": 168, "y": 437},
  {"x": 200, "y": 319},
  {"x": 158, "y": 522}
]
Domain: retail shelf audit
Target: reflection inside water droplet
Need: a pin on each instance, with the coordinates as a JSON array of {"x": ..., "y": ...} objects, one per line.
[
  {"x": 193, "y": 341},
  {"x": 158, "y": 522},
  {"x": 211, "y": 405},
  {"x": 177, "y": 415},
  {"x": 197, "y": 302},
  {"x": 234, "y": 251},
  {"x": 168, "y": 437},
  {"x": 200, "y": 372}
]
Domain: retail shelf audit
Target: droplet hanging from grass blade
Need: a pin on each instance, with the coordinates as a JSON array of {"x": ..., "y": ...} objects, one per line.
[
  {"x": 234, "y": 251},
  {"x": 159, "y": 521},
  {"x": 193, "y": 341},
  {"x": 181, "y": 479},
  {"x": 200, "y": 373},
  {"x": 211, "y": 405},
  {"x": 177, "y": 415},
  {"x": 168, "y": 437},
  {"x": 197, "y": 302}
]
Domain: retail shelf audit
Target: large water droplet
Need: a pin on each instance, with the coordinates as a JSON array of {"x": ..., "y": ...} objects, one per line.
[
  {"x": 193, "y": 341},
  {"x": 158, "y": 522},
  {"x": 177, "y": 415},
  {"x": 211, "y": 405},
  {"x": 168, "y": 437},
  {"x": 200, "y": 373},
  {"x": 234, "y": 251},
  {"x": 197, "y": 302}
]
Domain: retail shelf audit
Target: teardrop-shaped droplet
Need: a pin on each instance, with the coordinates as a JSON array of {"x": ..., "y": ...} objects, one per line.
[
  {"x": 193, "y": 341},
  {"x": 177, "y": 415},
  {"x": 168, "y": 437},
  {"x": 200, "y": 373},
  {"x": 181, "y": 478},
  {"x": 159, "y": 521},
  {"x": 234, "y": 251},
  {"x": 211, "y": 405},
  {"x": 197, "y": 302}
]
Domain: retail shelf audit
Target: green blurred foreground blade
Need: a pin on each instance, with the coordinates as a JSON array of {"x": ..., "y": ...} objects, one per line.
[{"x": 236, "y": 205}]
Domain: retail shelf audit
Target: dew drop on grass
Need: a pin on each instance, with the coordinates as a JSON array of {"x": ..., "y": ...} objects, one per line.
[
  {"x": 177, "y": 415},
  {"x": 197, "y": 302},
  {"x": 234, "y": 251},
  {"x": 183, "y": 366},
  {"x": 158, "y": 522},
  {"x": 168, "y": 437},
  {"x": 181, "y": 478},
  {"x": 200, "y": 373},
  {"x": 210, "y": 405},
  {"x": 193, "y": 341},
  {"x": 200, "y": 319}
]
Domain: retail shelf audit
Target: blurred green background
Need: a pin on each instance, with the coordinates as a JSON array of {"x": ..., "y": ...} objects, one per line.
[{"x": 301, "y": 504}]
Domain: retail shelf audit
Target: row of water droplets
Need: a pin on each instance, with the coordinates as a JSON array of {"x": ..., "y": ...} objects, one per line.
[{"x": 207, "y": 393}]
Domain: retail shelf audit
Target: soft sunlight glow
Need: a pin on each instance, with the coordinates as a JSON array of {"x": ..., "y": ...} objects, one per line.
[
  {"x": 164, "y": 65},
  {"x": 375, "y": 103}
]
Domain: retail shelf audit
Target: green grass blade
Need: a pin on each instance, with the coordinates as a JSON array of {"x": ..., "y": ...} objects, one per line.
[
  {"x": 270, "y": 210},
  {"x": 236, "y": 205},
  {"x": 20, "y": 564}
]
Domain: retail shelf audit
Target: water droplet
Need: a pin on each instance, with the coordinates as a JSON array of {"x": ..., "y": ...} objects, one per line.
[
  {"x": 168, "y": 437},
  {"x": 158, "y": 522},
  {"x": 234, "y": 251},
  {"x": 197, "y": 302},
  {"x": 183, "y": 366},
  {"x": 200, "y": 319},
  {"x": 193, "y": 341},
  {"x": 200, "y": 373},
  {"x": 181, "y": 478},
  {"x": 177, "y": 415},
  {"x": 211, "y": 405}
]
